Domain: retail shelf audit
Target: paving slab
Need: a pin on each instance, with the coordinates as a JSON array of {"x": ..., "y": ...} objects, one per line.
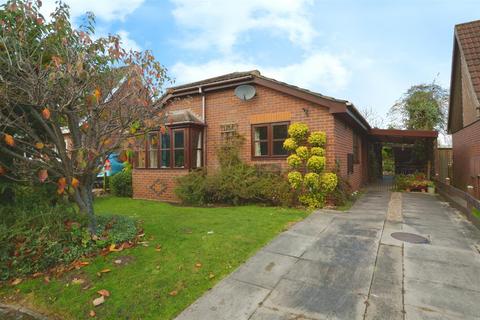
[
  {"x": 264, "y": 269},
  {"x": 446, "y": 272},
  {"x": 316, "y": 301},
  {"x": 291, "y": 244},
  {"x": 380, "y": 308},
  {"x": 354, "y": 280},
  {"x": 442, "y": 298},
  {"x": 230, "y": 299},
  {"x": 263, "y": 313}
]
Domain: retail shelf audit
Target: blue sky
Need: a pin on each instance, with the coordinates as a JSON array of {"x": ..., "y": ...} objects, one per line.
[{"x": 368, "y": 52}]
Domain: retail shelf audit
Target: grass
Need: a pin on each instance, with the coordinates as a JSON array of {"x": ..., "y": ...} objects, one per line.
[{"x": 199, "y": 247}]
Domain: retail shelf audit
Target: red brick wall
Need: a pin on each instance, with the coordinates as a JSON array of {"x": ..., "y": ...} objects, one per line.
[
  {"x": 466, "y": 157},
  {"x": 155, "y": 184},
  {"x": 344, "y": 146},
  {"x": 223, "y": 107}
]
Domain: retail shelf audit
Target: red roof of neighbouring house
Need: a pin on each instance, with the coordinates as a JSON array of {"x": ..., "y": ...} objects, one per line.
[{"x": 468, "y": 37}]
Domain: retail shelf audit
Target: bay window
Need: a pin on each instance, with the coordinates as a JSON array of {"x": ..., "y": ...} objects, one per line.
[
  {"x": 267, "y": 140},
  {"x": 172, "y": 148}
]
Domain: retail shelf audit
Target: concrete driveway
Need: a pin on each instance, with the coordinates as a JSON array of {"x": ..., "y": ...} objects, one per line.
[{"x": 348, "y": 266}]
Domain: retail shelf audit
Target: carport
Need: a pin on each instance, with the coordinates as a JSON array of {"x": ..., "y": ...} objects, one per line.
[{"x": 413, "y": 151}]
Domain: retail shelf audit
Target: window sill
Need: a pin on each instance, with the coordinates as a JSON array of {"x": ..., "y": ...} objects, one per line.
[{"x": 260, "y": 158}]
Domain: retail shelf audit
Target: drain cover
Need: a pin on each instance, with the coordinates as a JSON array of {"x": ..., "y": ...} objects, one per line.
[{"x": 409, "y": 237}]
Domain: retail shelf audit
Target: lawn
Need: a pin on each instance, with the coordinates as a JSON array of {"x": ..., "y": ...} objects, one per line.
[{"x": 189, "y": 251}]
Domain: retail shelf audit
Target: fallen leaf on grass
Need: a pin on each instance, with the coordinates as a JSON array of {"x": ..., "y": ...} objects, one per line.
[
  {"x": 16, "y": 282},
  {"x": 105, "y": 270},
  {"x": 79, "y": 264},
  {"x": 173, "y": 293},
  {"x": 118, "y": 261},
  {"x": 211, "y": 276},
  {"x": 98, "y": 301},
  {"x": 92, "y": 313},
  {"x": 46, "y": 279},
  {"x": 104, "y": 293},
  {"x": 113, "y": 249},
  {"x": 78, "y": 281},
  {"x": 198, "y": 265},
  {"x": 158, "y": 248}
]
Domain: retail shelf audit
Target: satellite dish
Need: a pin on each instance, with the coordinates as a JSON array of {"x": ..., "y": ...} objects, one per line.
[{"x": 245, "y": 92}]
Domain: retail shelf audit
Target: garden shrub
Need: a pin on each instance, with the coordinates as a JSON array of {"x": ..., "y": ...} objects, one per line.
[
  {"x": 37, "y": 236},
  {"x": 234, "y": 182},
  {"x": 298, "y": 131},
  {"x": 191, "y": 188},
  {"x": 308, "y": 163},
  {"x": 294, "y": 161},
  {"x": 317, "y": 139},
  {"x": 121, "y": 184}
]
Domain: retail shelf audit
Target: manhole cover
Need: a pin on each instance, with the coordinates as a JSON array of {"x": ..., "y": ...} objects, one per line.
[{"x": 409, "y": 237}]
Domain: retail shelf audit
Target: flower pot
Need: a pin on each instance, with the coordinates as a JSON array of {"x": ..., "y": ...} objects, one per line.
[{"x": 431, "y": 190}]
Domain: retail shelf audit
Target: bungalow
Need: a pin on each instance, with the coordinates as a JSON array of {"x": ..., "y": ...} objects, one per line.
[
  {"x": 198, "y": 116},
  {"x": 464, "y": 108}
]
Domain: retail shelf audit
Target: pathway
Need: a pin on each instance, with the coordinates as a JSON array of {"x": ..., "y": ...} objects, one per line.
[{"x": 347, "y": 266}]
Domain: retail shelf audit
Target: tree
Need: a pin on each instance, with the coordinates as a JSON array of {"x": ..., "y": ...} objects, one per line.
[
  {"x": 372, "y": 117},
  {"x": 58, "y": 81},
  {"x": 422, "y": 107}
]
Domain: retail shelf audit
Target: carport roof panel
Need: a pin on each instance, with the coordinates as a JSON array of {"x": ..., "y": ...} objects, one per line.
[{"x": 401, "y": 136}]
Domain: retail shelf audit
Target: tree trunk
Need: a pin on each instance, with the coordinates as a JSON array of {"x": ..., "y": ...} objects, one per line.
[{"x": 84, "y": 200}]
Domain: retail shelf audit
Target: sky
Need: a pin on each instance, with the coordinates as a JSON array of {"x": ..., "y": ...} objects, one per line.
[{"x": 368, "y": 52}]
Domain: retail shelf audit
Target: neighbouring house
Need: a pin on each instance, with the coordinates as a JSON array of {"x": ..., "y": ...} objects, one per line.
[
  {"x": 464, "y": 109},
  {"x": 199, "y": 116}
]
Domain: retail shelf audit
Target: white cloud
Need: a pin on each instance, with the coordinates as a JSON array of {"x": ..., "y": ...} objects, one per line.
[
  {"x": 221, "y": 23},
  {"x": 127, "y": 42},
  {"x": 318, "y": 72},
  {"x": 103, "y": 9}
]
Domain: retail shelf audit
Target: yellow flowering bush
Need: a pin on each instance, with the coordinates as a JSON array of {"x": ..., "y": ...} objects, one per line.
[
  {"x": 289, "y": 144},
  {"x": 312, "y": 200},
  {"x": 294, "y": 161},
  {"x": 312, "y": 181},
  {"x": 317, "y": 139},
  {"x": 317, "y": 151},
  {"x": 298, "y": 131},
  {"x": 302, "y": 152},
  {"x": 295, "y": 179},
  {"x": 316, "y": 163},
  {"x": 308, "y": 179},
  {"x": 328, "y": 181}
]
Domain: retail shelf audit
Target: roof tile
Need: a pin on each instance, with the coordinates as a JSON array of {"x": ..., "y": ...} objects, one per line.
[{"x": 468, "y": 36}]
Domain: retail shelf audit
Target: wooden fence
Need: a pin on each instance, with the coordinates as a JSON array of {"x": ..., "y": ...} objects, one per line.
[
  {"x": 444, "y": 163},
  {"x": 461, "y": 200}
]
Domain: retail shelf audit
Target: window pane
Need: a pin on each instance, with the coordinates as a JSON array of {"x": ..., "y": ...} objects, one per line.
[
  {"x": 165, "y": 140},
  {"x": 165, "y": 159},
  {"x": 261, "y": 133},
  {"x": 261, "y": 148},
  {"x": 179, "y": 158},
  {"x": 196, "y": 149},
  {"x": 141, "y": 159},
  {"x": 280, "y": 131},
  {"x": 153, "y": 150},
  {"x": 178, "y": 137},
  {"x": 278, "y": 149}
]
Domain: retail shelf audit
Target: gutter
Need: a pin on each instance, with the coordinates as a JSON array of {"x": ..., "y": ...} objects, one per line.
[{"x": 210, "y": 84}]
